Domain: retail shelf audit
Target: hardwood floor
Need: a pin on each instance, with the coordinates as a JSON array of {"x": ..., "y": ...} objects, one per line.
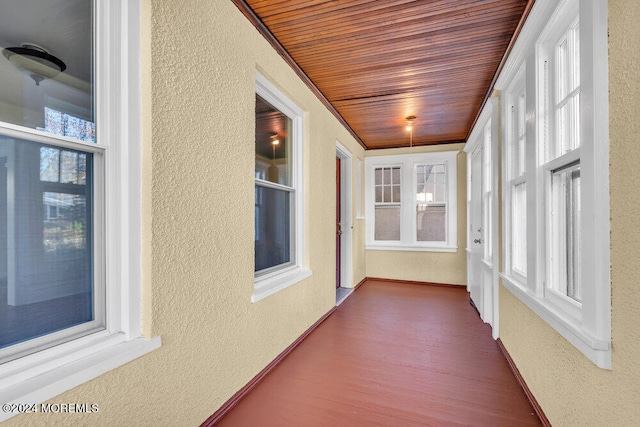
[{"x": 392, "y": 355}]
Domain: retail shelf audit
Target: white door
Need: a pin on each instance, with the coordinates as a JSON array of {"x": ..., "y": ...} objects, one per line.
[{"x": 475, "y": 276}]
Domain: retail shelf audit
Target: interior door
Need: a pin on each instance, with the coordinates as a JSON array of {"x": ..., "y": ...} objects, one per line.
[
  {"x": 338, "y": 222},
  {"x": 475, "y": 244}
]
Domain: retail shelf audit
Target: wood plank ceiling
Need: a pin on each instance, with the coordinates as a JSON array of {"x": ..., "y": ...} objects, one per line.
[{"x": 375, "y": 62}]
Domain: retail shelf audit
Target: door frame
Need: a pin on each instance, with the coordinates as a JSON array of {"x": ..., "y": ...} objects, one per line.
[
  {"x": 491, "y": 111},
  {"x": 346, "y": 215}
]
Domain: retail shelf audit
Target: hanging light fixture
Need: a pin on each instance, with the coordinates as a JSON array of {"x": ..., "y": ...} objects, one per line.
[
  {"x": 274, "y": 142},
  {"x": 34, "y": 61},
  {"x": 409, "y": 128}
]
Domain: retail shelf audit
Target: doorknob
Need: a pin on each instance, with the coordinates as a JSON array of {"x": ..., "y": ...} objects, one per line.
[
  {"x": 477, "y": 240},
  {"x": 339, "y": 232}
]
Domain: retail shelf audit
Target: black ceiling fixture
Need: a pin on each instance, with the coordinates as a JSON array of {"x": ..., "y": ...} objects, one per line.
[{"x": 35, "y": 61}]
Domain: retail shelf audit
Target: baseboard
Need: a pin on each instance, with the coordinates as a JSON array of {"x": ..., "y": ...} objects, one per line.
[
  {"x": 534, "y": 403},
  {"x": 236, "y": 398},
  {"x": 413, "y": 282},
  {"x": 355, "y": 288}
]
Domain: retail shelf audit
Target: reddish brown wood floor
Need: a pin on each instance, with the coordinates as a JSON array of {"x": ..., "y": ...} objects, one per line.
[{"x": 392, "y": 355}]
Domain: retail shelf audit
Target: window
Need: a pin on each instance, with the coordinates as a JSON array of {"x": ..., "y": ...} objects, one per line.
[
  {"x": 557, "y": 166},
  {"x": 487, "y": 194},
  {"x": 278, "y": 215},
  {"x": 515, "y": 178},
  {"x": 66, "y": 298},
  {"x": 560, "y": 59},
  {"x": 411, "y": 202},
  {"x": 387, "y": 203}
]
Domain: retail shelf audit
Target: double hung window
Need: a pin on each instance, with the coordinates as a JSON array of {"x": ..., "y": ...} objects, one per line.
[
  {"x": 516, "y": 179},
  {"x": 560, "y": 58},
  {"x": 411, "y": 202},
  {"x": 278, "y": 213},
  {"x": 69, "y": 177}
]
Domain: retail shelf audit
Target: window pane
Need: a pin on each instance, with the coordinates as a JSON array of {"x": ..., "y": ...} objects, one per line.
[
  {"x": 273, "y": 144},
  {"x": 565, "y": 232},
  {"x": 396, "y": 176},
  {"x": 47, "y": 94},
  {"x": 387, "y": 223},
  {"x": 387, "y": 194},
  {"x": 272, "y": 227},
  {"x": 396, "y": 194},
  {"x": 378, "y": 194},
  {"x": 46, "y": 256},
  {"x": 49, "y": 164},
  {"x": 562, "y": 71},
  {"x": 519, "y": 229},
  {"x": 431, "y": 223}
]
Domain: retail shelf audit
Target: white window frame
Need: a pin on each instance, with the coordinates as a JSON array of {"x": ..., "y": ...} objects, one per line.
[
  {"x": 512, "y": 176},
  {"x": 269, "y": 282},
  {"x": 587, "y": 325},
  {"x": 408, "y": 238},
  {"x": 37, "y": 377}
]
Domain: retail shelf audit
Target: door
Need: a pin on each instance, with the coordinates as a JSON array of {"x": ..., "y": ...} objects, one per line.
[
  {"x": 475, "y": 245},
  {"x": 338, "y": 222}
]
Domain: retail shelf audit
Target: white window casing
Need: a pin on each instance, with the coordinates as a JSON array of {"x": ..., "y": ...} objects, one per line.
[
  {"x": 409, "y": 205},
  {"x": 36, "y": 377},
  {"x": 270, "y": 281}
]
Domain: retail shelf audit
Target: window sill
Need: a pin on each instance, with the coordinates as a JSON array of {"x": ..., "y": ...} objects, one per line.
[
  {"x": 379, "y": 247},
  {"x": 39, "y": 377},
  {"x": 272, "y": 283},
  {"x": 597, "y": 350}
]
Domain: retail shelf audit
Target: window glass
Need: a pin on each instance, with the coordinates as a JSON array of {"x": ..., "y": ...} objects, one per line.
[
  {"x": 273, "y": 228},
  {"x": 46, "y": 70},
  {"x": 387, "y": 222},
  {"x": 566, "y": 102},
  {"x": 519, "y": 228},
  {"x": 274, "y": 192},
  {"x": 565, "y": 232},
  {"x": 388, "y": 190},
  {"x": 46, "y": 255},
  {"x": 431, "y": 210},
  {"x": 273, "y": 144}
]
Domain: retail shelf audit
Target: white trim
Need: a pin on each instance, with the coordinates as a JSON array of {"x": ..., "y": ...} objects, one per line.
[
  {"x": 274, "y": 281},
  {"x": 43, "y": 375},
  {"x": 597, "y": 350},
  {"x": 407, "y": 163},
  {"x": 346, "y": 216},
  {"x": 269, "y": 285},
  {"x": 101, "y": 358}
]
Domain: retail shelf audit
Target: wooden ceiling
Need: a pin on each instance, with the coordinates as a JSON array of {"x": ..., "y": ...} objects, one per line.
[{"x": 375, "y": 62}]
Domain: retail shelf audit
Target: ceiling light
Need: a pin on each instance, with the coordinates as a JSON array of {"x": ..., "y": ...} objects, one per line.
[
  {"x": 410, "y": 120},
  {"x": 34, "y": 61},
  {"x": 409, "y": 128},
  {"x": 274, "y": 139}
]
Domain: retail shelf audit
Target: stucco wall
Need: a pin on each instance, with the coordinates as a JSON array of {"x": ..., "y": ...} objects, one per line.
[
  {"x": 438, "y": 267},
  {"x": 200, "y": 58},
  {"x": 571, "y": 390}
]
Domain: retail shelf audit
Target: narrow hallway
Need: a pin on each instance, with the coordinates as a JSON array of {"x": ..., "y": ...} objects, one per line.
[{"x": 392, "y": 354}]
